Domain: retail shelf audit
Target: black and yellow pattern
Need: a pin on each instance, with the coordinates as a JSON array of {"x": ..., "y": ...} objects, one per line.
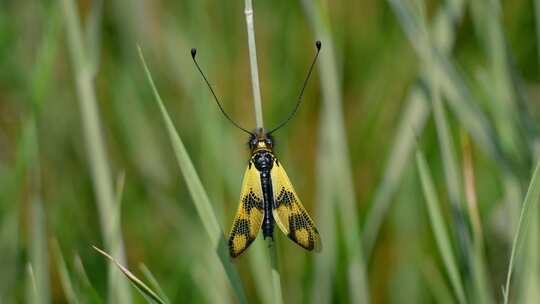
[
  {"x": 249, "y": 217},
  {"x": 290, "y": 215}
]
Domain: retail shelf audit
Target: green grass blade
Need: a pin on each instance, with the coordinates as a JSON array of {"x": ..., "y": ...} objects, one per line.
[
  {"x": 31, "y": 286},
  {"x": 436, "y": 283},
  {"x": 40, "y": 84},
  {"x": 9, "y": 238},
  {"x": 38, "y": 238},
  {"x": 415, "y": 116},
  {"x": 148, "y": 293},
  {"x": 260, "y": 265},
  {"x": 83, "y": 285},
  {"x": 93, "y": 35},
  {"x": 276, "y": 277},
  {"x": 198, "y": 194},
  {"x": 537, "y": 23},
  {"x": 413, "y": 120},
  {"x": 65, "y": 279},
  {"x": 487, "y": 18},
  {"x": 481, "y": 281},
  {"x": 531, "y": 199},
  {"x": 439, "y": 228},
  {"x": 529, "y": 291},
  {"x": 453, "y": 85},
  {"x": 448, "y": 156},
  {"x": 153, "y": 282},
  {"x": 39, "y": 252},
  {"x": 200, "y": 269},
  {"x": 334, "y": 171},
  {"x": 99, "y": 167}
]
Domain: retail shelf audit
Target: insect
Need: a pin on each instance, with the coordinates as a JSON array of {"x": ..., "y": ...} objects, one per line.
[{"x": 267, "y": 196}]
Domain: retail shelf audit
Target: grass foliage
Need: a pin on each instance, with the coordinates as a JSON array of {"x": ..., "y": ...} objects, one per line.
[{"x": 86, "y": 158}]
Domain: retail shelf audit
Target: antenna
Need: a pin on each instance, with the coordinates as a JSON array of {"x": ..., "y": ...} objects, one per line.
[
  {"x": 193, "y": 55},
  {"x": 318, "y": 46}
]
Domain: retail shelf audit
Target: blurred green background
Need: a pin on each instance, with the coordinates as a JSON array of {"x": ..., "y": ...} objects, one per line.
[{"x": 84, "y": 149}]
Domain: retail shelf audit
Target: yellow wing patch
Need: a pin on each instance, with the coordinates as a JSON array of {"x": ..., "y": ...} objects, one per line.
[
  {"x": 289, "y": 214},
  {"x": 249, "y": 217}
]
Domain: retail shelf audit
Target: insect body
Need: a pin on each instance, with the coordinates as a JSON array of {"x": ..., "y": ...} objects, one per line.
[{"x": 267, "y": 196}]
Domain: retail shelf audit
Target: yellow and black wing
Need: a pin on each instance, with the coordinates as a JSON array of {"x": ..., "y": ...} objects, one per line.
[
  {"x": 289, "y": 214},
  {"x": 249, "y": 217}
]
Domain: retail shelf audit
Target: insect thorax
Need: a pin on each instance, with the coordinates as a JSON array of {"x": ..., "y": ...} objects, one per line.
[{"x": 263, "y": 160}]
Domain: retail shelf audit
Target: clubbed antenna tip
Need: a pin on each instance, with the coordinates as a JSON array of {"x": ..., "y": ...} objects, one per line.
[
  {"x": 318, "y": 45},
  {"x": 193, "y": 54}
]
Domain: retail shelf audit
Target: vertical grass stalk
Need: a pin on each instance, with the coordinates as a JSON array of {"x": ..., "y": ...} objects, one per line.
[
  {"x": 38, "y": 240},
  {"x": 41, "y": 84},
  {"x": 478, "y": 264},
  {"x": 84, "y": 74},
  {"x": 448, "y": 156},
  {"x": 439, "y": 228},
  {"x": 253, "y": 64},
  {"x": 334, "y": 173},
  {"x": 257, "y": 105},
  {"x": 416, "y": 115}
]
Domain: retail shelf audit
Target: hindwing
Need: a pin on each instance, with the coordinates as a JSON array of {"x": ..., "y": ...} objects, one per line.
[{"x": 289, "y": 214}]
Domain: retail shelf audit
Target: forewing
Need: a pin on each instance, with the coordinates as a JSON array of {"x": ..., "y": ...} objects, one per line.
[
  {"x": 249, "y": 217},
  {"x": 289, "y": 214}
]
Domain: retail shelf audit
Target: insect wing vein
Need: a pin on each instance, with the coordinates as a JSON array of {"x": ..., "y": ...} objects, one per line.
[
  {"x": 249, "y": 216},
  {"x": 289, "y": 214}
]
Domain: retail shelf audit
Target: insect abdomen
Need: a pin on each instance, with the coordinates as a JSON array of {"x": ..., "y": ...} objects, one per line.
[
  {"x": 264, "y": 161},
  {"x": 268, "y": 221}
]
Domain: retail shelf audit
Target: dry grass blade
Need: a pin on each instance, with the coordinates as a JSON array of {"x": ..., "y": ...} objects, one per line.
[
  {"x": 198, "y": 194},
  {"x": 141, "y": 287}
]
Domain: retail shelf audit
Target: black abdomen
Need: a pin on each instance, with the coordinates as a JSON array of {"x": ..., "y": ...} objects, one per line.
[
  {"x": 268, "y": 221},
  {"x": 264, "y": 161}
]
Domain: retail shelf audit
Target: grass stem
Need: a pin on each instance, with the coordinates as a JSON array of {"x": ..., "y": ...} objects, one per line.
[
  {"x": 277, "y": 296},
  {"x": 253, "y": 64},
  {"x": 257, "y": 105},
  {"x": 99, "y": 167}
]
